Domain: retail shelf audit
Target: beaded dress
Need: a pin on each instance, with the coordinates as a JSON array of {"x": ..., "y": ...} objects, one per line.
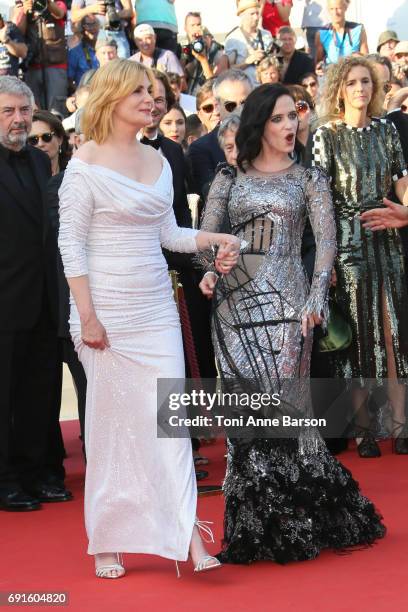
[
  {"x": 363, "y": 164},
  {"x": 284, "y": 499},
  {"x": 140, "y": 490}
]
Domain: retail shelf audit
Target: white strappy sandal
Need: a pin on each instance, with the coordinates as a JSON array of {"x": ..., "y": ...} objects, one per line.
[
  {"x": 208, "y": 562},
  {"x": 105, "y": 571}
]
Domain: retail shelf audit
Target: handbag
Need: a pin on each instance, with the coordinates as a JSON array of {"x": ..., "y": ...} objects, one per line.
[{"x": 339, "y": 334}]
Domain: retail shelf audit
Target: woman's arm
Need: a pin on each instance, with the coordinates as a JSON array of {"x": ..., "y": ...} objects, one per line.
[{"x": 76, "y": 210}]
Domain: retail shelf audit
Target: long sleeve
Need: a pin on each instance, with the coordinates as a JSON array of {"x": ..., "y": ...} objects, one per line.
[
  {"x": 175, "y": 238},
  {"x": 215, "y": 213},
  {"x": 321, "y": 215},
  {"x": 75, "y": 211}
]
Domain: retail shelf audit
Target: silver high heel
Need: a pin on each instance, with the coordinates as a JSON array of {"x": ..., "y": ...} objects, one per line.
[{"x": 104, "y": 571}]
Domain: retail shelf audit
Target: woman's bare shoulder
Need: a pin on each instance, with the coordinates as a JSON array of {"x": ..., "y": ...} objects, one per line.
[{"x": 86, "y": 152}]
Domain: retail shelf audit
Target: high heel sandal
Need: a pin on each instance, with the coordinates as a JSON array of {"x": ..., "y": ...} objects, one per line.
[
  {"x": 202, "y": 565},
  {"x": 206, "y": 563},
  {"x": 399, "y": 441},
  {"x": 104, "y": 571}
]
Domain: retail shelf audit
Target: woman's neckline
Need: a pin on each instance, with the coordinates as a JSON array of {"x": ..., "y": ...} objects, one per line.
[
  {"x": 366, "y": 128},
  {"x": 270, "y": 173},
  {"x": 123, "y": 176}
]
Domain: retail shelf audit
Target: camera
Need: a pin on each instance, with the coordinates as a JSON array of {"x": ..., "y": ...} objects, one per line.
[
  {"x": 197, "y": 45},
  {"x": 112, "y": 16}
]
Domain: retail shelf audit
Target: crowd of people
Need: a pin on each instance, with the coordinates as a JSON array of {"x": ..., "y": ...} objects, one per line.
[{"x": 281, "y": 157}]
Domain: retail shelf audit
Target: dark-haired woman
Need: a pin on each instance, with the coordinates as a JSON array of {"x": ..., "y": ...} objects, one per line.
[
  {"x": 48, "y": 134},
  {"x": 286, "y": 498}
]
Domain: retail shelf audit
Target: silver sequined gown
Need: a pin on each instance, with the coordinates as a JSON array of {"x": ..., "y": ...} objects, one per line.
[
  {"x": 284, "y": 500},
  {"x": 140, "y": 491}
]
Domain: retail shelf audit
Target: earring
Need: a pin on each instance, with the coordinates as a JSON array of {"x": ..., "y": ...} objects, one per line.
[{"x": 60, "y": 150}]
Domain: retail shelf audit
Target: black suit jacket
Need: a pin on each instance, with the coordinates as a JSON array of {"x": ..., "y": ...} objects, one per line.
[
  {"x": 205, "y": 154},
  {"x": 28, "y": 248},
  {"x": 299, "y": 65}
]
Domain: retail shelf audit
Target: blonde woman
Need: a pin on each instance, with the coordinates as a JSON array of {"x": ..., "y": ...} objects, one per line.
[
  {"x": 116, "y": 214},
  {"x": 363, "y": 156},
  {"x": 268, "y": 70}
]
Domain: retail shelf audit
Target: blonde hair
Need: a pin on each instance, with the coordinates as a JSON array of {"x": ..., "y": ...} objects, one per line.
[
  {"x": 110, "y": 84},
  {"x": 332, "y": 106},
  {"x": 267, "y": 62}
]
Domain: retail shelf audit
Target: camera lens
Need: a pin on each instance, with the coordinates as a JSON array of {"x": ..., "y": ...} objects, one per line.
[{"x": 198, "y": 46}]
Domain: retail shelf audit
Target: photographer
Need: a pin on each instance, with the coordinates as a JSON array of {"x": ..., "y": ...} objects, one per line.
[
  {"x": 247, "y": 45},
  {"x": 112, "y": 16},
  {"x": 400, "y": 67},
  {"x": 203, "y": 57},
  {"x": 12, "y": 46},
  {"x": 43, "y": 24}
]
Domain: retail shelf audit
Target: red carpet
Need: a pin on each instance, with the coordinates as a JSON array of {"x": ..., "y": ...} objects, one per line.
[{"x": 45, "y": 551}]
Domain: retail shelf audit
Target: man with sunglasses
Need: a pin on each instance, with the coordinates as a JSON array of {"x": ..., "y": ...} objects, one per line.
[{"x": 231, "y": 89}]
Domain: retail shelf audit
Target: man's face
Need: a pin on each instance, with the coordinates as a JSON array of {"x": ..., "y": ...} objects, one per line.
[
  {"x": 146, "y": 44},
  {"x": 402, "y": 59},
  {"x": 337, "y": 11},
  {"x": 288, "y": 42},
  {"x": 194, "y": 28},
  {"x": 15, "y": 120},
  {"x": 250, "y": 19},
  {"x": 231, "y": 95},
  {"x": 387, "y": 49},
  {"x": 106, "y": 54},
  {"x": 159, "y": 104}
]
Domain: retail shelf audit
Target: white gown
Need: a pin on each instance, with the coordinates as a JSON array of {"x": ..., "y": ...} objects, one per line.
[{"x": 140, "y": 490}]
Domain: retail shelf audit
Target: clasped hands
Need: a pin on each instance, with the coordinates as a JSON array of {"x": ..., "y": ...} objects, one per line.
[{"x": 225, "y": 260}]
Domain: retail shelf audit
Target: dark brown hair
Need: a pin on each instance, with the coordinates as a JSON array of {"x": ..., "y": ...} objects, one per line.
[{"x": 57, "y": 127}]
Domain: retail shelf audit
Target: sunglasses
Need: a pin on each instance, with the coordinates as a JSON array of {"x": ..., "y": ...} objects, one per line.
[
  {"x": 46, "y": 137},
  {"x": 302, "y": 106},
  {"x": 311, "y": 84},
  {"x": 208, "y": 108},
  {"x": 231, "y": 106}
]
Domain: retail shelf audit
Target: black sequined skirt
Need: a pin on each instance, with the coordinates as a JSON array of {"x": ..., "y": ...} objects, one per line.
[{"x": 283, "y": 506}]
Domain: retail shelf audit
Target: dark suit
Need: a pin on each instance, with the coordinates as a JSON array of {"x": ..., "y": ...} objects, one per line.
[
  {"x": 299, "y": 65},
  {"x": 205, "y": 154},
  {"x": 183, "y": 263},
  {"x": 28, "y": 319},
  {"x": 66, "y": 350}
]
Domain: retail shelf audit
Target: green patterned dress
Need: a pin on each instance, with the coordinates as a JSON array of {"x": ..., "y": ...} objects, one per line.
[{"x": 363, "y": 163}]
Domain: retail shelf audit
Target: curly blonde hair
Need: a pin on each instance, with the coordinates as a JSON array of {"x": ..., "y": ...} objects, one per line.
[{"x": 332, "y": 106}]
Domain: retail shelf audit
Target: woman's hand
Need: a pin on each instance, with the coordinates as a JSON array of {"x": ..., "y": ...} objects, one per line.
[
  {"x": 309, "y": 322},
  {"x": 228, "y": 249},
  {"x": 93, "y": 333},
  {"x": 226, "y": 259},
  {"x": 392, "y": 216},
  {"x": 208, "y": 283}
]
